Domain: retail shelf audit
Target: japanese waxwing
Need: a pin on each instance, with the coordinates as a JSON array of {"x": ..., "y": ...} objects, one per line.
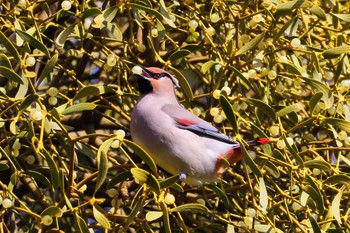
[{"x": 177, "y": 140}]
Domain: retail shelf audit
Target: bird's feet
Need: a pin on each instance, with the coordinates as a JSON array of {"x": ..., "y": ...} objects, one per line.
[{"x": 182, "y": 175}]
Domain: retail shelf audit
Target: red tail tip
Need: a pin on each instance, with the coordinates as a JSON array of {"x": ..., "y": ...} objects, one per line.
[{"x": 263, "y": 141}]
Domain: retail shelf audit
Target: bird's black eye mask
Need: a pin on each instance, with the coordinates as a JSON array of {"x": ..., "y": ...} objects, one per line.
[{"x": 155, "y": 75}]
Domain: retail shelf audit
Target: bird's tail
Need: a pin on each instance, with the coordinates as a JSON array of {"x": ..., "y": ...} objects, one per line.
[{"x": 258, "y": 141}]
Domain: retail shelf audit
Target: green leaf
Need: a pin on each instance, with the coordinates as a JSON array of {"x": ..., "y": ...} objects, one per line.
[
  {"x": 250, "y": 45},
  {"x": 192, "y": 208},
  {"x": 288, "y": 109},
  {"x": 91, "y": 12},
  {"x": 168, "y": 181},
  {"x": 53, "y": 211},
  {"x": 271, "y": 168},
  {"x": 183, "y": 83},
  {"x": 10, "y": 74},
  {"x": 136, "y": 209},
  {"x": 10, "y": 47},
  {"x": 142, "y": 154},
  {"x": 315, "y": 227},
  {"x": 81, "y": 223},
  {"x": 110, "y": 13},
  {"x": 165, "y": 14},
  {"x": 338, "y": 123},
  {"x": 102, "y": 163},
  {"x": 336, "y": 51},
  {"x": 294, "y": 152},
  {"x": 206, "y": 66},
  {"x": 53, "y": 168},
  {"x": 290, "y": 5},
  {"x": 78, "y": 108},
  {"x": 338, "y": 179},
  {"x": 47, "y": 69},
  {"x": 37, "y": 176},
  {"x": 264, "y": 198},
  {"x": 166, "y": 220},
  {"x": 262, "y": 106},
  {"x": 243, "y": 79},
  {"x": 148, "y": 10},
  {"x": 221, "y": 194},
  {"x": 101, "y": 218},
  {"x": 250, "y": 162},
  {"x": 344, "y": 17},
  {"x": 153, "y": 215},
  {"x": 179, "y": 54},
  {"x": 291, "y": 68},
  {"x": 33, "y": 42},
  {"x": 62, "y": 37},
  {"x": 23, "y": 88},
  {"x": 315, "y": 193},
  {"x": 144, "y": 177},
  {"x": 314, "y": 101},
  {"x": 320, "y": 164},
  {"x": 227, "y": 108},
  {"x": 4, "y": 167},
  {"x": 336, "y": 205},
  {"x": 28, "y": 101},
  {"x": 121, "y": 177},
  {"x": 4, "y": 61},
  {"x": 318, "y": 11},
  {"x": 92, "y": 91},
  {"x": 320, "y": 87}
]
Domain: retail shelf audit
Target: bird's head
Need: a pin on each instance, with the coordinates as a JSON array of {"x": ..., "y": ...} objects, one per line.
[{"x": 155, "y": 80}]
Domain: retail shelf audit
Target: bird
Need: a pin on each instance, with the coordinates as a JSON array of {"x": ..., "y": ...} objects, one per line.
[{"x": 178, "y": 141}]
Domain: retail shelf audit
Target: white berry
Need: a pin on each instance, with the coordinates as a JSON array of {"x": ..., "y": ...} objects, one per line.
[{"x": 66, "y": 5}]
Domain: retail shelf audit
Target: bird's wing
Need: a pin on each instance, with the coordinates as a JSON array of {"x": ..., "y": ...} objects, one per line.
[{"x": 188, "y": 121}]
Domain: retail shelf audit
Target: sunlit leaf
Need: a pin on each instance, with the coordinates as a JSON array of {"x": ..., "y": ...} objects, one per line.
[
  {"x": 101, "y": 218},
  {"x": 192, "y": 207},
  {"x": 327, "y": 94},
  {"x": 264, "y": 198},
  {"x": 110, "y": 13},
  {"x": 290, "y": 5},
  {"x": 153, "y": 215},
  {"x": 320, "y": 164},
  {"x": 102, "y": 161},
  {"x": 78, "y": 108},
  {"x": 53, "y": 211},
  {"x": 338, "y": 123},
  {"x": 336, "y": 205},
  {"x": 336, "y": 51},
  {"x": 314, "y": 101},
  {"x": 338, "y": 179},
  {"x": 206, "y": 66},
  {"x": 62, "y": 37},
  {"x": 143, "y": 177},
  {"x": 250, "y": 45},
  {"x": 82, "y": 224},
  {"x": 91, "y": 12}
]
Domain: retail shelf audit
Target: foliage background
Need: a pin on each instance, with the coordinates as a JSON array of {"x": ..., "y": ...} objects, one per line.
[{"x": 66, "y": 165}]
